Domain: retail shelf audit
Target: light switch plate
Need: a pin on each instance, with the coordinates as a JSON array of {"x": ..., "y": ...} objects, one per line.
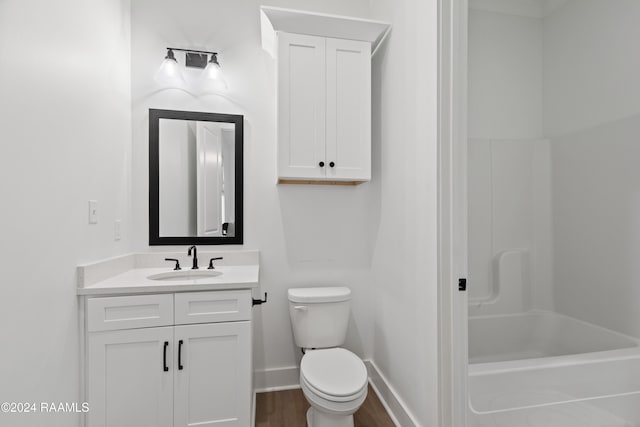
[{"x": 93, "y": 211}]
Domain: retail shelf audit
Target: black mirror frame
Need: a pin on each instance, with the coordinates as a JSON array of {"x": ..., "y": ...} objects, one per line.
[{"x": 154, "y": 177}]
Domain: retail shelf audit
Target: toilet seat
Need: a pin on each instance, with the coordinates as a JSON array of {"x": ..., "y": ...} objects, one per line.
[
  {"x": 331, "y": 406},
  {"x": 324, "y": 397},
  {"x": 334, "y": 374}
]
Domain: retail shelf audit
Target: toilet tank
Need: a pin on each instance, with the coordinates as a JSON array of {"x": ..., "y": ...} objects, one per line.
[{"x": 319, "y": 316}]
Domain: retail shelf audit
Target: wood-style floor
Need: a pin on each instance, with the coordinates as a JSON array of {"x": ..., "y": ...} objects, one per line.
[{"x": 288, "y": 408}]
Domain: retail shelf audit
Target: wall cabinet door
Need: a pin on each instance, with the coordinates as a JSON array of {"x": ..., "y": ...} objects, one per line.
[
  {"x": 301, "y": 106},
  {"x": 127, "y": 385},
  {"x": 348, "y": 134},
  {"x": 213, "y": 375}
]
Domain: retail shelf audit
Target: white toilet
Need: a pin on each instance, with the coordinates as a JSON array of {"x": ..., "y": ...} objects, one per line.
[{"x": 333, "y": 380}]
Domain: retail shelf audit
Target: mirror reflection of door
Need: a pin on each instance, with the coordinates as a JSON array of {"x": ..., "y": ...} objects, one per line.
[
  {"x": 209, "y": 179},
  {"x": 197, "y": 178}
]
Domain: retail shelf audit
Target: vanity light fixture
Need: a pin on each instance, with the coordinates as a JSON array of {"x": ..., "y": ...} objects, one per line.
[{"x": 169, "y": 72}]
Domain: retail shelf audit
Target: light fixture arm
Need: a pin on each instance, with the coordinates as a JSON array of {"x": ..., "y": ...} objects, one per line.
[{"x": 192, "y": 51}]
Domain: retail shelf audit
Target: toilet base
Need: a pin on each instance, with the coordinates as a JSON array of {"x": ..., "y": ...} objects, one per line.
[{"x": 317, "y": 418}]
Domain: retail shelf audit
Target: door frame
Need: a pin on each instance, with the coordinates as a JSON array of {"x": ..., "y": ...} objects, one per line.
[{"x": 452, "y": 211}]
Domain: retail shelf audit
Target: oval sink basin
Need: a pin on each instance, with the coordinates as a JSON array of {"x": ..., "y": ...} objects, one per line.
[{"x": 185, "y": 275}]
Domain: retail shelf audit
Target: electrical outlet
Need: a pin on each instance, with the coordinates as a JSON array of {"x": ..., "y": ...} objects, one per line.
[{"x": 93, "y": 211}]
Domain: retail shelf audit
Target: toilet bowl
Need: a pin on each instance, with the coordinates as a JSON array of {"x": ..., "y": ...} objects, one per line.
[
  {"x": 334, "y": 382},
  {"x": 333, "y": 379}
]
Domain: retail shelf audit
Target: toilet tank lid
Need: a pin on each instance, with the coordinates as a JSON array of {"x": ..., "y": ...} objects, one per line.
[{"x": 318, "y": 295}]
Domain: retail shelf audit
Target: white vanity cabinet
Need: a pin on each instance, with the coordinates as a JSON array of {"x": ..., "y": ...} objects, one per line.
[
  {"x": 324, "y": 109},
  {"x": 162, "y": 360}
]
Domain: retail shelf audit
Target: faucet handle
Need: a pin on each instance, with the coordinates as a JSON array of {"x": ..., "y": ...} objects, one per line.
[
  {"x": 177, "y": 267},
  {"x": 211, "y": 267}
]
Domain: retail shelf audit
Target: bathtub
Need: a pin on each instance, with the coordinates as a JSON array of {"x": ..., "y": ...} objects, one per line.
[
  {"x": 545, "y": 369},
  {"x": 538, "y": 334}
]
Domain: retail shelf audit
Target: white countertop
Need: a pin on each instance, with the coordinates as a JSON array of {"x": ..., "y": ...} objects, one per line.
[{"x": 135, "y": 281}]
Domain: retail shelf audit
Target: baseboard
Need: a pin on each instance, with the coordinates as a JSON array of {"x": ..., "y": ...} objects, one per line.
[
  {"x": 276, "y": 379},
  {"x": 253, "y": 409},
  {"x": 395, "y": 406},
  {"x": 288, "y": 378}
]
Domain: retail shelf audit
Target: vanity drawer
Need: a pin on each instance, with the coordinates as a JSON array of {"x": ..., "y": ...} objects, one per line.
[
  {"x": 139, "y": 311},
  {"x": 217, "y": 306}
]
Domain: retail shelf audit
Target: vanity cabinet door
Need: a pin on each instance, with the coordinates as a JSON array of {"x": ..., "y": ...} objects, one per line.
[
  {"x": 127, "y": 384},
  {"x": 301, "y": 106},
  {"x": 348, "y": 110},
  {"x": 213, "y": 375}
]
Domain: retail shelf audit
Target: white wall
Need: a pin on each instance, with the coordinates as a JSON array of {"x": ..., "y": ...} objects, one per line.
[
  {"x": 66, "y": 138},
  {"x": 505, "y": 76},
  {"x": 592, "y": 111},
  {"x": 597, "y": 224},
  {"x": 590, "y": 73},
  {"x": 404, "y": 233},
  {"x": 307, "y": 235}
]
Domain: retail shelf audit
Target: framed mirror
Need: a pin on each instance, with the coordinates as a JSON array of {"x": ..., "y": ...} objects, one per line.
[{"x": 195, "y": 178}]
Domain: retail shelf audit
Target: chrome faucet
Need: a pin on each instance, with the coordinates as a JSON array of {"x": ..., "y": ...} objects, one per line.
[{"x": 195, "y": 257}]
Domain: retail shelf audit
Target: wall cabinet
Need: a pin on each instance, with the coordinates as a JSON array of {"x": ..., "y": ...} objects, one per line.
[
  {"x": 324, "y": 93},
  {"x": 324, "y": 109},
  {"x": 170, "y": 360}
]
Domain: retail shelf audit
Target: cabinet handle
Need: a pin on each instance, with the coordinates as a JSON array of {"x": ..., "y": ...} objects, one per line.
[
  {"x": 332, "y": 164},
  {"x": 321, "y": 164},
  {"x": 180, "y": 367},
  {"x": 164, "y": 356}
]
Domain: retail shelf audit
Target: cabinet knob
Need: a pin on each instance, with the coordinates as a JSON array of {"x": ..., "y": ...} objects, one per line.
[
  {"x": 332, "y": 164},
  {"x": 321, "y": 164}
]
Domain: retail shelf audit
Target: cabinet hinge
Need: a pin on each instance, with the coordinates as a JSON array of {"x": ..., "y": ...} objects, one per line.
[{"x": 462, "y": 285}]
